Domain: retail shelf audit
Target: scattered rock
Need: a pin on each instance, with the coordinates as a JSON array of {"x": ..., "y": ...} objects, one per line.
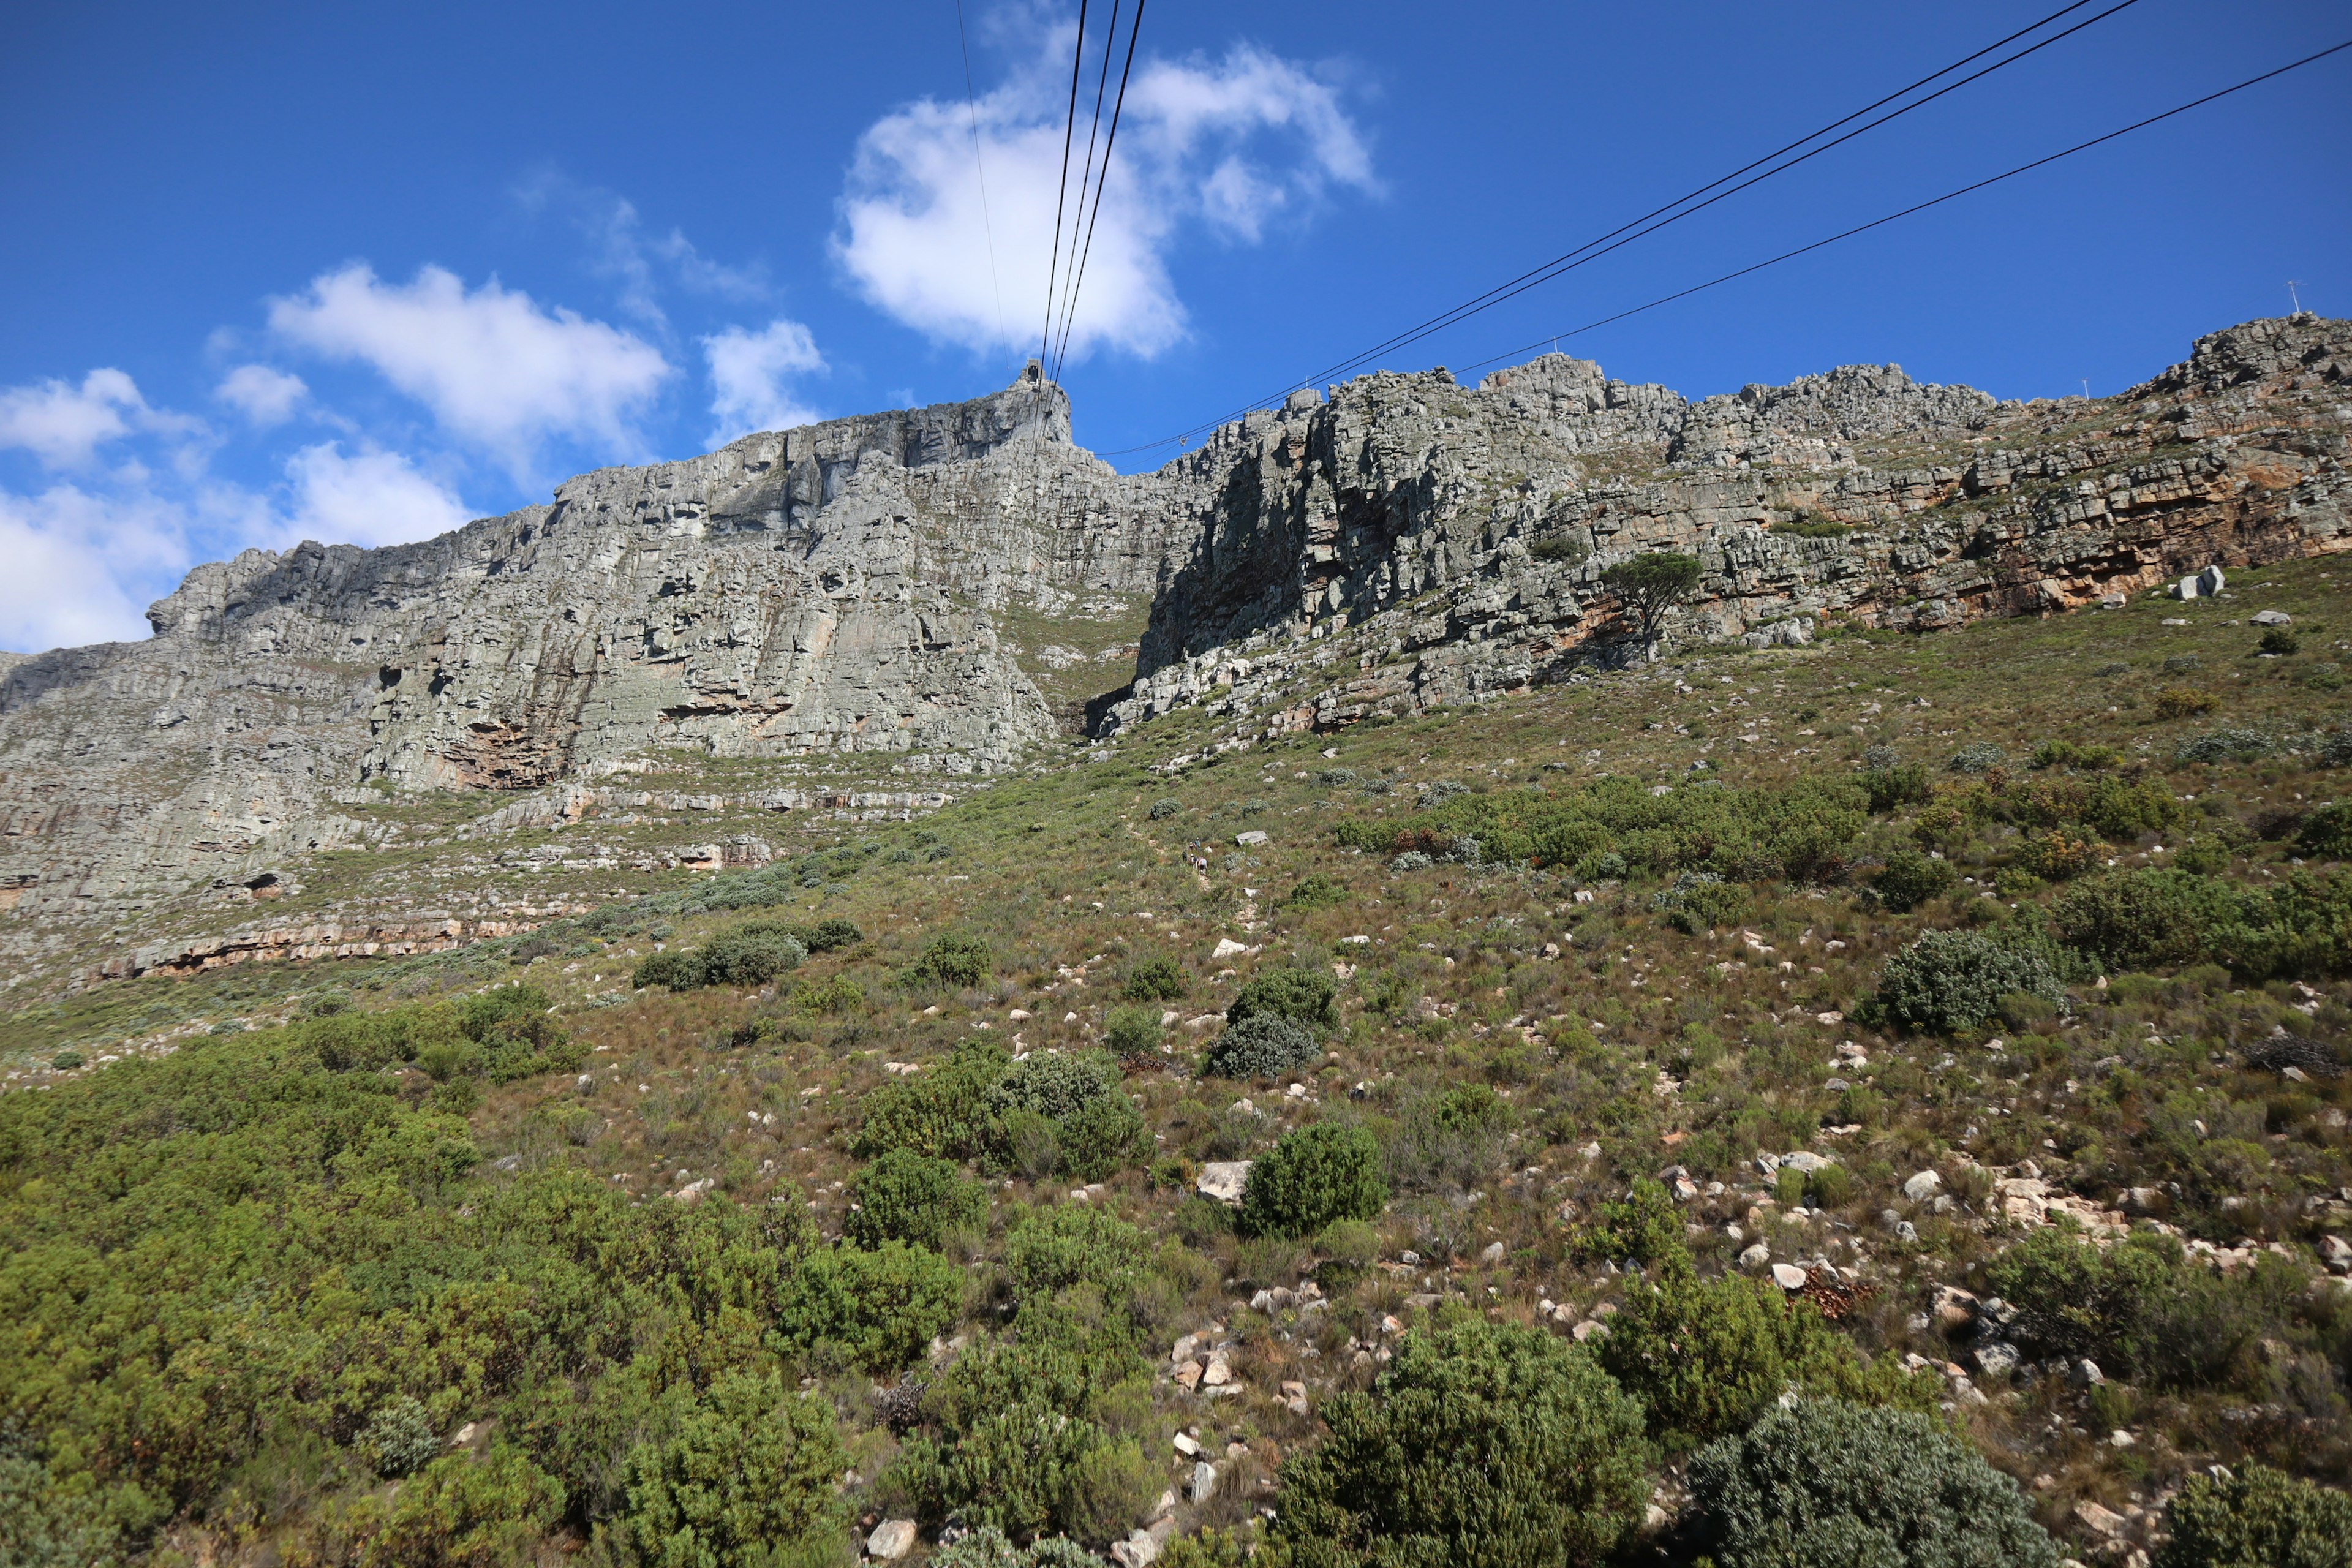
[
  {"x": 1787, "y": 1276},
  {"x": 891, "y": 1540},
  {"x": 1224, "y": 1180},
  {"x": 1205, "y": 1482},
  {"x": 1925, "y": 1185}
]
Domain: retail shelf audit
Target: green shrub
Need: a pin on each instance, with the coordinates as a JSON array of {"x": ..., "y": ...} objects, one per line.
[
  {"x": 680, "y": 970},
  {"x": 1977, "y": 757},
  {"x": 1132, "y": 1034},
  {"x": 1162, "y": 810},
  {"x": 399, "y": 1438},
  {"x": 752, "y": 953},
  {"x": 1155, "y": 980},
  {"x": 989, "y": 1547},
  {"x": 1308, "y": 997},
  {"x": 1266, "y": 1046},
  {"x": 67, "y": 1061},
  {"x": 827, "y": 935},
  {"x": 1561, "y": 547},
  {"x": 1317, "y": 890},
  {"x": 458, "y": 1510},
  {"x": 942, "y": 1110},
  {"x": 1892, "y": 783},
  {"x": 1095, "y": 1126},
  {"x": 1829, "y": 1484},
  {"x": 1644, "y": 1228},
  {"x": 2279, "y": 641},
  {"x": 2140, "y": 920},
  {"x": 1707, "y": 1357},
  {"x": 2184, "y": 701},
  {"x": 2140, "y": 1309},
  {"x": 42, "y": 1523},
  {"x": 832, "y": 997},
  {"x": 1050, "y": 1249},
  {"x": 2259, "y": 1518},
  {"x": 1911, "y": 878},
  {"x": 952, "y": 959},
  {"x": 912, "y": 1197},
  {"x": 1950, "y": 980},
  {"x": 1480, "y": 1444},
  {"x": 876, "y": 1309},
  {"x": 750, "y": 1468},
  {"x": 2327, "y": 834},
  {"x": 1614, "y": 827},
  {"x": 1701, "y": 901},
  {"x": 1313, "y": 1176}
]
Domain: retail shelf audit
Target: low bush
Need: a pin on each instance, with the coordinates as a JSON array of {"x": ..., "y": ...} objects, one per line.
[
  {"x": 1560, "y": 548},
  {"x": 1700, "y": 901},
  {"x": 1828, "y": 1485},
  {"x": 750, "y": 1468},
  {"x": 1051, "y": 1249},
  {"x": 399, "y": 1439},
  {"x": 1096, "y": 1127},
  {"x": 2258, "y": 1517},
  {"x": 912, "y": 1197},
  {"x": 1644, "y": 1227},
  {"x": 1162, "y": 810},
  {"x": 1891, "y": 782},
  {"x": 941, "y": 1112},
  {"x": 1317, "y": 890},
  {"x": 953, "y": 959},
  {"x": 2327, "y": 833},
  {"x": 460, "y": 1509},
  {"x": 2069, "y": 755},
  {"x": 675, "y": 968},
  {"x": 1707, "y": 1357},
  {"x": 2224, "y": 745},
  {"x": 1977, "y": 757},
  {"x": 1952, "y": 980},
  {"x": 2056, "y": 855},
  {"x": 1266, "y": 1046},
  {"x": 1133, "y": 1034},
  {"x": 1910, "y": 879},
  {"x": 1314, "y": 1176},
  {"x": 752, "y": 953},
  {"x": 875, "y": 1308},
  {"x": 2140, "y": 920},
  {"x": 1155, "y": 980},
  {"x": 1308, "y": 997},
  {"x": 2141, "y": 1310},
  {"x": 2280, "y": 640},
  {"x": 2184, "y": 701},
  {"x": 989, "y": 1547},
  {"x": 1487, "y": 1444}
]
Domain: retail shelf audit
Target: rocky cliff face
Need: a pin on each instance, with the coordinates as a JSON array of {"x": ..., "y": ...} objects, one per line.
[
  {"x": 830, "y": 589},
  {"x": 847, "y": 588},
  {"x": 1410, "y": 541}
]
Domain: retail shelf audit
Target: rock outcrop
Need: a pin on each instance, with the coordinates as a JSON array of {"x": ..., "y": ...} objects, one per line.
[
  {"x": 1410, "y": 541},
  {"x": 847, "y": 589}
]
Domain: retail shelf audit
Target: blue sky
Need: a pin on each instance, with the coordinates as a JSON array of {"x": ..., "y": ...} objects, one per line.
[{"x": 358, "y": 273}]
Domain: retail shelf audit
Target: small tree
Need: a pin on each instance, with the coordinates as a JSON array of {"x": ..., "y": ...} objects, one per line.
[
  {"x": 751, "y": 1468},
  {"x": 1305, "y": 997},
  {"x": 1649, "y": 585}
]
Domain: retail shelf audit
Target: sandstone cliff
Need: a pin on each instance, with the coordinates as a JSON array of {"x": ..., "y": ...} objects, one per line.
[{"x": 900, "y": 586}]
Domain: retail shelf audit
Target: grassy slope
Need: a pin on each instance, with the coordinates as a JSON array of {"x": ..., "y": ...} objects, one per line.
[{"x": 1064, "y": 869}]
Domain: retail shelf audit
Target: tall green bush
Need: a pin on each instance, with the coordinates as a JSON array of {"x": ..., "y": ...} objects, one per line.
[
  {"x": 1266, "y": 1045},
  {"x": 1480, "y": 1444},
  {"x": 954, "y": 960}
]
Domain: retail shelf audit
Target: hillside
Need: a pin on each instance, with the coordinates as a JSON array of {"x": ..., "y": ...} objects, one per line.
[{"x": 707, "y": 1089}]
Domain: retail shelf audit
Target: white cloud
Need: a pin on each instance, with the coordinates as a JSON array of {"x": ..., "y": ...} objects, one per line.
[
  {"x": 263, "y": 396},
  {"x": 642, "y": 264},
  {"x": 82, "y": 566},
  {"x": 747, "y": 376},
  {"x": 64, "y": 425},
  {"x": 375, "y": 498},
  {"x": 1228, "y": 146},
  {"x": 497, "y": 370}
]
